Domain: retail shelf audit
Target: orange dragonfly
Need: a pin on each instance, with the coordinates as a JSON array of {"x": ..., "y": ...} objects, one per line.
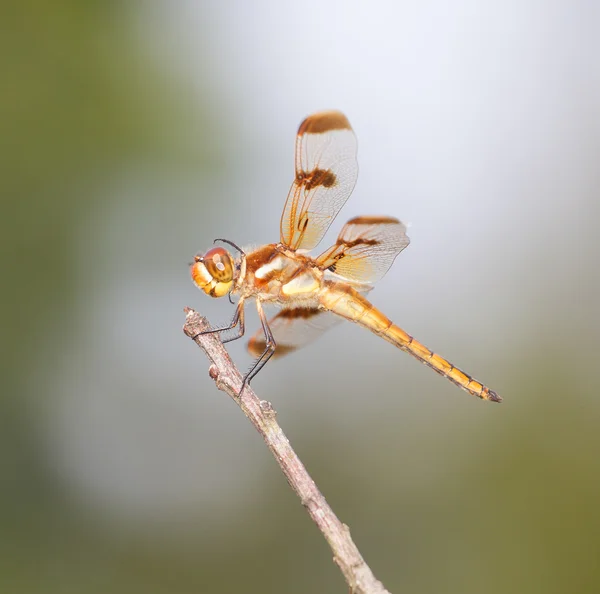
[{"x": 315, "y": 292}]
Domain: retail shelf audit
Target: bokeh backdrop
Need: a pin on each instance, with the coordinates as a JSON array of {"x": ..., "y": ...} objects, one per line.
[{"x": 132, "y": 134}]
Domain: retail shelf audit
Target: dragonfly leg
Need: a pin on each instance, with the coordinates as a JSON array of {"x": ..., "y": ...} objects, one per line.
[
  {"x": 270, "y": 346},
  {"x": 238, "y": 320},
  {"x": 239, "y": 314}
]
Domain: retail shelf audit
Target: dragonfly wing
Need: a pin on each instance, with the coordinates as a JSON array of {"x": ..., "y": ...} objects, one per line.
[
  {"x": 365, "y": 248},
  {"x": 326, "y": 172},
  {"x": 294, "y": 328}
]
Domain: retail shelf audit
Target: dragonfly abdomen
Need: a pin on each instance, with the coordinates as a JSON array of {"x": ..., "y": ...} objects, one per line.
[{"x": 348, "y": 303}]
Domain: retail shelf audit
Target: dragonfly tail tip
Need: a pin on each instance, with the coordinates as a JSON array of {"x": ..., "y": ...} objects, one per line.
[{"x": 494, "y": 397}]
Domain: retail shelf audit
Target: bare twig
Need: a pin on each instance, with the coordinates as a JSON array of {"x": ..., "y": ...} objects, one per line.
[{"x": 262, "y": 415}]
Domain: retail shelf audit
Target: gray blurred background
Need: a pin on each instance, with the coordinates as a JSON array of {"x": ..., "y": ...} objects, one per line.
[{"x": 132, "y": 134}]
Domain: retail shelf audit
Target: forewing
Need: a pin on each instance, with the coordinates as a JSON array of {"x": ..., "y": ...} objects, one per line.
[
  {"x": 365, "y": 248},
  {"x": 294, "y": 328},
  {"x": 326, "y": 172}
]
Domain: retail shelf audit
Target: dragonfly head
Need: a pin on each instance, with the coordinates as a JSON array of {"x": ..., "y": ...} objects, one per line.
[{"x": 214, "y": 272}]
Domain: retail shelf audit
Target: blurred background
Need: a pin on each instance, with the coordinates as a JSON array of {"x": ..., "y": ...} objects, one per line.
[{"x": 133, "y": 134}]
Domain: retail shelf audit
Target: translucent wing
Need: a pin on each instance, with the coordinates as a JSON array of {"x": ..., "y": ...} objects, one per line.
[
  {"x": 326, "y": 171},
  {"x": 294, "y": 328},
  {"x": 365, "y": 248}
]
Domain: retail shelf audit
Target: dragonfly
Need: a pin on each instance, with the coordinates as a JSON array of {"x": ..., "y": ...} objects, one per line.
[{"x": 314, "y": 293}]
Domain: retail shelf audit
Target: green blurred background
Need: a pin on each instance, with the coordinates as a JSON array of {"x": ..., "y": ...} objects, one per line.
[{"x": 132, "y": 134}]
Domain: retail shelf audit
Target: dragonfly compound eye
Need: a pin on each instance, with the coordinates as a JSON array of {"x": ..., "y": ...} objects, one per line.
[
  {"x": 213, "y": 272},
  {"x": 219, "y": 264}
]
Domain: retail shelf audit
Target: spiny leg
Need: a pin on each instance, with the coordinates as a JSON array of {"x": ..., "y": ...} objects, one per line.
[
  {"x": 239, "y": 313},
  {"x": 238, "y": 320},
  {"x": 270, "y": 346}
]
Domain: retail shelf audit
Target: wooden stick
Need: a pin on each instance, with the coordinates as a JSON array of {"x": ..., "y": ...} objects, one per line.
[{"x": 262, "y": 415}]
